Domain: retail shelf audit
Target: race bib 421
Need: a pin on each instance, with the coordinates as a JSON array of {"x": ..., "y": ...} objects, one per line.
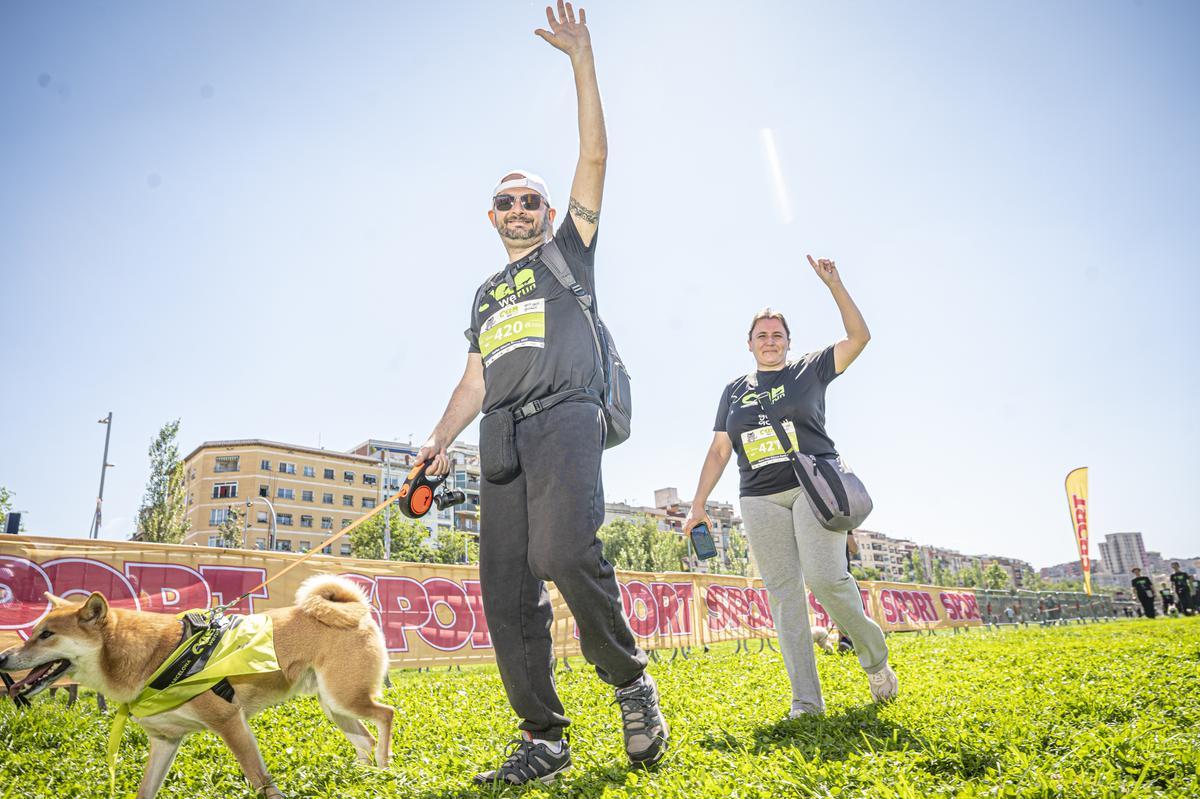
[{"x": 761, "y": 445}]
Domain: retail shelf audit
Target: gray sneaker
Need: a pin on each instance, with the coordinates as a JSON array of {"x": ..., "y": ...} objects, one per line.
[
  {"x": 646, "y": 730},
  {"x": 526, "y": 762}
]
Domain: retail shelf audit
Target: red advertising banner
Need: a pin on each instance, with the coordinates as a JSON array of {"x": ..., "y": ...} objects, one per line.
[{"x": 431, "y": 615}]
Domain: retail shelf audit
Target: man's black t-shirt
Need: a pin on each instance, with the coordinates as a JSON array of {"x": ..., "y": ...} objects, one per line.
[
  {"x": 1143, "y": 586},
  {"x": 534, "y": 338},
  {"x": 1179, "y": 581},
  {"x": 797, "y": 392}
]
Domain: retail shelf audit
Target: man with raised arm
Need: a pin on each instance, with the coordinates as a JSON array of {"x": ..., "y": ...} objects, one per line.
[{"x": 532, "y": 355}]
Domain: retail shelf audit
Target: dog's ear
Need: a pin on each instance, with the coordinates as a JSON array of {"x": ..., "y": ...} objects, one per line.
[
  {"x": 94, "y": 610},
  {"x": 57, "y": 601}
]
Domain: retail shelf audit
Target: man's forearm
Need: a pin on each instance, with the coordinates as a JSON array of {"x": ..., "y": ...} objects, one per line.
[
  {"x": 465, "y": 404},
  {"x": 593, "y": 142}
]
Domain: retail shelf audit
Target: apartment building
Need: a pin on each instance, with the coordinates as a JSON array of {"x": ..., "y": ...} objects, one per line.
[
  {"x": 724, "y": 522},
  {"x": 312, "y": 492},
  {"x": 891, "y": 557},
  {"x": 1121, "y": 552}
]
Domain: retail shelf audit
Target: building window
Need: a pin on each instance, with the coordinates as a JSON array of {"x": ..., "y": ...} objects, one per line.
[
  {"x": 264, "y": 491},
  {"x": 265, "y": 465},
  {"x": 287, "y": 468},
  {"x": 327, "y": 550},
  {"x": 368, "y": 502},
  {"x": 283, "y": 544},
  {"x": 285, "y": 493},
  {"x": 260, "y": 543},
  {"x": 329, "y": 474},
  {"x": 215, "y": 541},
  {"x": 227, "y": 463},
  {"x": 262, "y": 517},
  {"x": 348, "y": 500},
  {"x": 218, "y": 516},
  {"x": 306, "y": 521},
  {"x": 348, "y": 477},
  {"x": 284, "y": 519},
  {"x": 310, "y": 471},
  {"x": 224, "y": 490},
  {"x": 303, "y": 546},
  {"x": 327, "y": 499},
  {"x": 369, "y": 480},
  {"x": 345, "y": 523},
  {"x": 345, "y": 549},
  {"x": 307, "y": 496},
  {"x": 326, "y": 522}
]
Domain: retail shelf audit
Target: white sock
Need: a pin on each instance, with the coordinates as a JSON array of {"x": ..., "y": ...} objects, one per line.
[{"x": 553, "y": 746}]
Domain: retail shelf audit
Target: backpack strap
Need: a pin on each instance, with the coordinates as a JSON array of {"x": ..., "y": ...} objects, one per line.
[
  {"x": 553, "y": 258},
  {"x": 785, "y": 442}
]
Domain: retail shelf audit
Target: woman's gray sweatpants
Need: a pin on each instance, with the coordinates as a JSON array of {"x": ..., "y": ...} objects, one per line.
[{"x": 790, "y": 548}]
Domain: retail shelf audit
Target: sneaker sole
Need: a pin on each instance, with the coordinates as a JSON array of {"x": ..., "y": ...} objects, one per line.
[
  {"x": 546, "y": 780},
  {"x": 652, "y": 757}
]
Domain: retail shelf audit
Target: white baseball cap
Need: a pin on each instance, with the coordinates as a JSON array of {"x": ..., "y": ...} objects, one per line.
[{"x": 526, "y": 180}]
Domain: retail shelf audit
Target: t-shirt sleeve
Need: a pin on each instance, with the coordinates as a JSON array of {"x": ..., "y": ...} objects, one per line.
[
  {"x": 472, "y": 331},
  {"x": 721, "y": 423},
  {"x": 581, "y": 259},
  {"x": 825, "y": 364}
]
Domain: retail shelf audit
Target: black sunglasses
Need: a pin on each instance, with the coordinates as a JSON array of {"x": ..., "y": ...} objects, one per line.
[{"x": 505, "y": 202}]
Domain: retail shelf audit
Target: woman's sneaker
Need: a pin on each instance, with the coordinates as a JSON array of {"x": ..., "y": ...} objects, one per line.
[
  {"x": 884, "y": 685},
  {"x": 645, "y": 728},
  {"x": 528, "y": 761}
]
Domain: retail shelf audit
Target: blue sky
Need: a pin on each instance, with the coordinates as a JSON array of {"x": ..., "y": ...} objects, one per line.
[{"x": 268, "y": 219}]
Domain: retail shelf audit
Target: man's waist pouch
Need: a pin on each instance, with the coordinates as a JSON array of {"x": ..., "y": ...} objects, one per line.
[{"x": 498, "y": 458}]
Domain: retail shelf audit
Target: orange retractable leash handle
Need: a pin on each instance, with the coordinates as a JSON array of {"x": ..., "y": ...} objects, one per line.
[{"x": 420, "y": 491}]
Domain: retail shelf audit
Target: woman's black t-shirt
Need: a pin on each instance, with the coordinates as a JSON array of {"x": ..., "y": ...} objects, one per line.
[{"x": 797, "y": 392}]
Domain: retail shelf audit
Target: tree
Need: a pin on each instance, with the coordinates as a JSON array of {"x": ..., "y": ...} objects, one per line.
[
  {"x": 638, "y": 545},
  {"x": 1032, "y": 580},
  {"x": 6, "y": 507},
  {"x": 866, "y": 573},
  {"x": 995, "y": 577},
  {"x": 408, "y": 540},
  {"x": 967, "y": 577},
  {"x": 940, "y": 574},
  {"x": 230, "y": 531},
  {"x": 915, "y": 568},
  {"x": 737, "y": 553},
  {"x": 454, "y": 546},
  {"x": 162, "y": 516}
]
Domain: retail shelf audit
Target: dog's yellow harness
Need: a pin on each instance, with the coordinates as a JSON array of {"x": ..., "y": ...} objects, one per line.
[{"x": 214, "y": 648}]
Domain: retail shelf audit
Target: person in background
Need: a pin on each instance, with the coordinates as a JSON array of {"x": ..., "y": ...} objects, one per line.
[
  {"x": 1180, "y": 581},
  {"x": 1144, "y": 590}
]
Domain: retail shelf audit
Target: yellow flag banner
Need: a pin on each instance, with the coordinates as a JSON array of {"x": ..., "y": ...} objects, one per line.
[
  {"x": 430, "y": 614},
  {"x": 1077, "y": 504}
]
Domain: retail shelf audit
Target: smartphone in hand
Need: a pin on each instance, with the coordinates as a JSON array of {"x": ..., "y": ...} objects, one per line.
[{"x": 702, "y": 540}]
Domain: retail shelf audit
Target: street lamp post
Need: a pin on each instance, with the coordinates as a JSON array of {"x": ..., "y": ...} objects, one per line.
[
  {"x": 94, "y": 532},
  {"x": 271, "y": 530}
]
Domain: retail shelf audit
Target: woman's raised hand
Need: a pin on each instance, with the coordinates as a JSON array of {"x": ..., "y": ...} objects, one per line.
[{"x": 826, "y": 270}]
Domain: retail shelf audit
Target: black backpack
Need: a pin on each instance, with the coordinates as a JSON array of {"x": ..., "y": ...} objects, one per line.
[{"x": 617, "y": 403}]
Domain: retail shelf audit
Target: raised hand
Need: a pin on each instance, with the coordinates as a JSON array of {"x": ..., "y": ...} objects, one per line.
[
  {"x": 566, "y": 33},
  {"x": 826, "y": 270}
]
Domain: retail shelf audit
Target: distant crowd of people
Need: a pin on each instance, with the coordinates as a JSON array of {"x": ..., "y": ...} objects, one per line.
[{"x": 1181, "y": 598}]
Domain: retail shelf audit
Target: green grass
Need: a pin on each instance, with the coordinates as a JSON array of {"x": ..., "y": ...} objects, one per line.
[{"x": 1103, "y": 710}]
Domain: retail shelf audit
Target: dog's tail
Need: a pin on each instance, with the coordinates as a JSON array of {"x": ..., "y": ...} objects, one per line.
[{"x": 333, "y": 601}]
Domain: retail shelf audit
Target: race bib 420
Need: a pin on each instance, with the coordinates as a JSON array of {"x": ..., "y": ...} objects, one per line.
[
  {"x": 522, "y": 324},
  {"x": 762, "y": 445}
]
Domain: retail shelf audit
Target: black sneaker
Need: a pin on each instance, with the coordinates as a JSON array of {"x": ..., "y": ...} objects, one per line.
[
  {"x": 528, "y": 761},
  {"x": 646, "y": 730}
]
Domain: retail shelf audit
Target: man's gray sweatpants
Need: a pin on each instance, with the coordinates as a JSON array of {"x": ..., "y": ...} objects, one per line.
[
  {"x": 790, "y": 548},
  {"x": 542, "y": 526}
]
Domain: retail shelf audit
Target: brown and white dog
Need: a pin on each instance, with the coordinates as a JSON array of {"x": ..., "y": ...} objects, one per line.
[{"x": 326, "y": 644}]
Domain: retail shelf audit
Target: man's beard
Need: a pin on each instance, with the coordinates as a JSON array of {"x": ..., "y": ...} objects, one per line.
[{"x": 535, "y": 230}]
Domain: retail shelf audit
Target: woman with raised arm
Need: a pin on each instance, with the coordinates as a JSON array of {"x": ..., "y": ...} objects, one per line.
[{"x": 789, "y": 544}]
